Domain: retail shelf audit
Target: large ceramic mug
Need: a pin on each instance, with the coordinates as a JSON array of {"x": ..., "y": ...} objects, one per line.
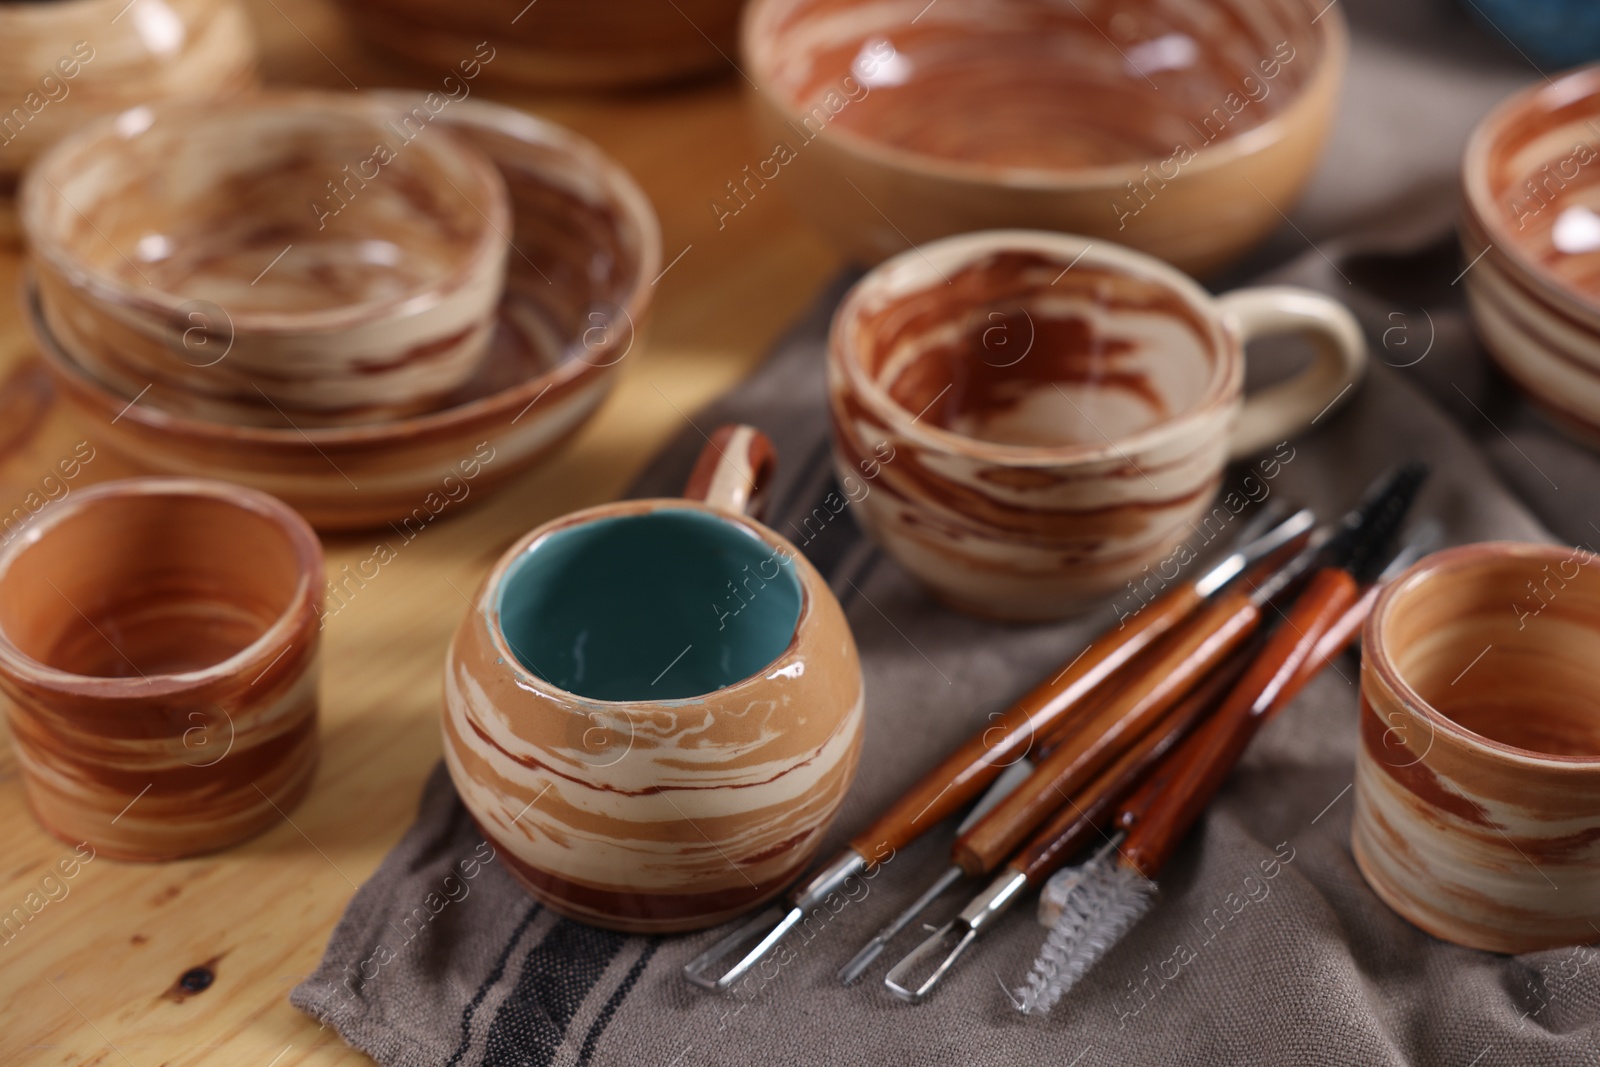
[
  {"x": 655, "y": 707},
  {"x": 1477, "y": 788},
  {"x": 1044, "y": 416}
]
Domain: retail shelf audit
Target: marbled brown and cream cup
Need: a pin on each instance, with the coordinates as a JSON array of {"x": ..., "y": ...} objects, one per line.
[
  {"x": 654, "y": 709},
  {"x": 159, "y": 656},
  {"x": 1042, "y": 416},
  {"x": 1477, "y": 788}
]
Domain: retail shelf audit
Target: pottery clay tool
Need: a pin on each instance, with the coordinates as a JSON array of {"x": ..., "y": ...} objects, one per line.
[
  {"x": 1020, "y": 771},
  {"x": 1110, "y": 893},
  {"x": 1072, "y": 827},
  {"x": 984, "y": 756}
]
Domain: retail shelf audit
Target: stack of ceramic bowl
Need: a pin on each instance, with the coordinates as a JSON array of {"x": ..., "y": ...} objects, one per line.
[
  {"x": 342, "y": 300},
  {"x": 1184, "y": 130},
  {"x": 64, "y": 63},
  {"x": 1530, "y": 234}
]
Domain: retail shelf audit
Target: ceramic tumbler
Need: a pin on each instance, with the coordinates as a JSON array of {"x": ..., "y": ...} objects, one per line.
[
  {"x": 654, "y": 708},
  {"x": 159, "y": 656},
  {"x": 1477, "y": 788},
  {"x": 1039, "y": 419}
]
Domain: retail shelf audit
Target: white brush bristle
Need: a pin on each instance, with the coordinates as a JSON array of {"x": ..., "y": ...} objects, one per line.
[{"x": 1099, "y": 902}]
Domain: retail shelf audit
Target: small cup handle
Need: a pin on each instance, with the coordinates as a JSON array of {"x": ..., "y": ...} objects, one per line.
[
  {"x": 734, "y": 470},
  {"x": 1281, "y": 411}
]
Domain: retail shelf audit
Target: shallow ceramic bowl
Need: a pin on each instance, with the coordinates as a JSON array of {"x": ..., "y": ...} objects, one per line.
[
  {"x": 654, "y": 708},
  {"x": 65, "y": 62},
  {"x": 328, "y": 254},
  {"x": 586, "y": 247},
  {"x": 159, "y": 648},
  {"x": 575, "y": 44},
  {"x": 1477, "y": 810},
  {"x": 1530, "y": 232},
  {"x": 893, "y": 122}
]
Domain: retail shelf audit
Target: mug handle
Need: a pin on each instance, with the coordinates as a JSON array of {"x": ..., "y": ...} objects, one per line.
[
  {"x": 734, "y": 470},
  {"x": 1281, "y": 411}
]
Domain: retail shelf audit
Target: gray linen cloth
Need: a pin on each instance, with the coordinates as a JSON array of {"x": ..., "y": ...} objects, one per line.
[{"x": 441, "y": 959}]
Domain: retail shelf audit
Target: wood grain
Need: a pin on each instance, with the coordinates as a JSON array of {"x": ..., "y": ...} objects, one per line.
[{"x": 92, "y": 969}]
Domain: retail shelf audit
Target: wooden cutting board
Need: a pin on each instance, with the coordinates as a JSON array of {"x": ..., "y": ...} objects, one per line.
[{"x": 93, "y": 978}]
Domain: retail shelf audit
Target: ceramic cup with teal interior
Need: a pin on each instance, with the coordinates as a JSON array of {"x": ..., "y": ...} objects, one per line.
[{"x": 656, "y": 707}]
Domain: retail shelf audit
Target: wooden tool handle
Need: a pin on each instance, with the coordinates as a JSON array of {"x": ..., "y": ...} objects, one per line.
[
  {"x": 1203, "y": 761},
  {"x": 1086, "y": 815},
  {"x": 1216, "y": 631},
  {"x": 1008, "y": 737}
]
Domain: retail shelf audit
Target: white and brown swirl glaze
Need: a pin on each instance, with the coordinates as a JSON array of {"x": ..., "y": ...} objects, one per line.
[
  {"x": 654, "y": 816},
  {"x": 1530, "y": 228},
  {"x": 576, "y": 296},
  {"x": 1042, "y": 417},
  {"x": 159, "y": 656},
  {"x": 332, "y": 256},
  {"x": 1477, "y": 788},
  {"x": 1177, "y": 129},
  {"x": 69, "y": 61}
]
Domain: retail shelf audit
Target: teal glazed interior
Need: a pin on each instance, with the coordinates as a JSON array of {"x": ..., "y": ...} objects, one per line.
[{"x": 665, "y": 604}]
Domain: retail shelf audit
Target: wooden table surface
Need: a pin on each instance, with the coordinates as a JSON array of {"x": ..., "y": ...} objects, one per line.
[{"x": 91, "y": 978}]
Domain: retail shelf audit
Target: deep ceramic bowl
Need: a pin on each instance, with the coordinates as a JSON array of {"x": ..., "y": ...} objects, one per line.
[
  {"x": 654, "y": 708},
  {"x": 1030, "y": 421},
  {"x": 1178, "y": 130},
  {"x": 65, "y": 62},
  {"x": 585, "y": 247},
  {"x": 1477, "y": 789},
  {"x": 331, "y": 256},
  {"x": 555, "y": 44},
  {"x": 159, "y": 648},
  {"x": 1531, "y": 239}
]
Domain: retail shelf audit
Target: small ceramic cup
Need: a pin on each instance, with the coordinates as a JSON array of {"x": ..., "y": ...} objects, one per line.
[
  {"x": 655, "y": 707},
  {"x": 1530, "y": 240},
  {"x": 158, "y": 646},
  {"x": 65, "y": 62},
  {"x": 1042, "y": 417},
  {"x": 326, "y": 257},
  {"x": 1179, "y": 129},
  {"x": 1477, "y": 788}
]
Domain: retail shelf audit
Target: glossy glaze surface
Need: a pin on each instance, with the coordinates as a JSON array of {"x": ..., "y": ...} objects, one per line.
[
  {"x": 159, "y": 651},
  {"x": 360, "y": 283},
  {"x": 1043, "y": 420},
  {"x": 1478, "y": 768},
  {"x": 1530, "y": 226},
  {"x": 557, "y": 43},
  {"x": 586, "y": 245},
  {"x": 68, "y": 61},
  {"x": 665, "y": 814},
  {"x": 974, "y": 114}
]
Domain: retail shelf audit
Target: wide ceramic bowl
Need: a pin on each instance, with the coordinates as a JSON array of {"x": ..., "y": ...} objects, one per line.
[
  {"x": 1530, "y": 235},
  {"x": 1181, "y": 130},
  {"x": 159, "y": 648},
  {"x": 654, "y": 708},
  {"x": 65, "y": 62},
  {"x": 585, "y": 246},
  {"x": 331, "y": 256},
  {"x": 1477, "y": 788},
  {"x": 555, "y": 44}
]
